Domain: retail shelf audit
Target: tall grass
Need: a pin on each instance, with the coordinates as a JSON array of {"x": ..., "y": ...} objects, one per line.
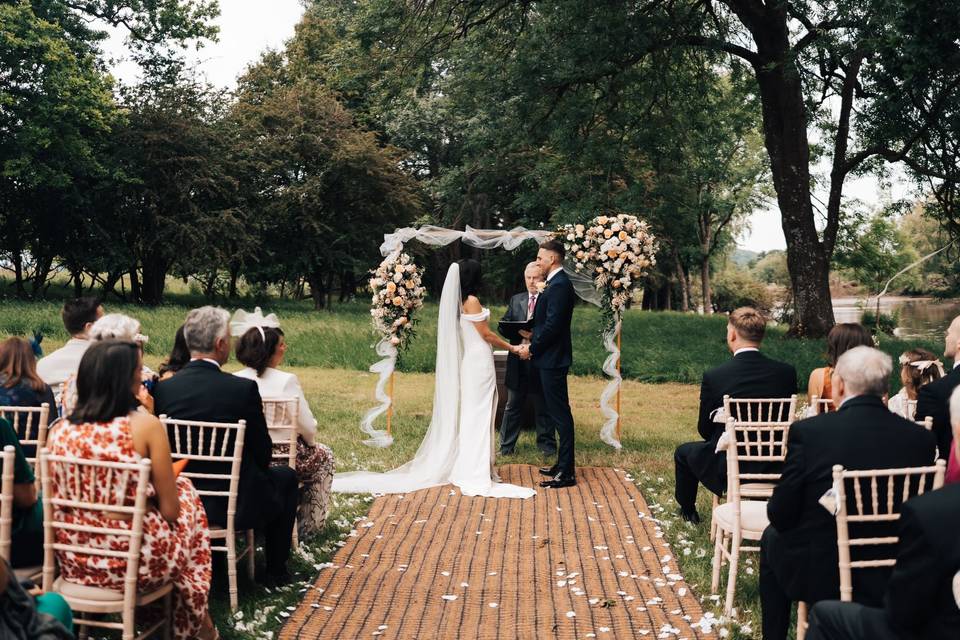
[{"x": 657, "y": 346}]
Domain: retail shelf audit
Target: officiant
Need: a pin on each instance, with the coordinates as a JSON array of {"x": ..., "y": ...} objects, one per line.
[{"x": 522, "y": 383}]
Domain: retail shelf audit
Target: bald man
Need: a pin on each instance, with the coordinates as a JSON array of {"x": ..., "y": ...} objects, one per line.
[
  {"x": 521, "y": 383},
  {"x": 934, "y": 399}
]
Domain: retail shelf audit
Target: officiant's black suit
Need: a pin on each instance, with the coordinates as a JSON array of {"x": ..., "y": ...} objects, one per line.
[
  {"x": 798, "y": 558},
  {"x": 747, "y": 375},
  {"x": 523, "y": 383},
  {"x": 919, "y": 602},
  {"x": 934, "y": 400},
  {"x": 551, "y": 348},
  {"x": 266, "y": 496}
]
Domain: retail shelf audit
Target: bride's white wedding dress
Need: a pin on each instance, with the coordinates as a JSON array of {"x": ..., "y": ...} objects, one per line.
[{"x": 458, "y": 447}]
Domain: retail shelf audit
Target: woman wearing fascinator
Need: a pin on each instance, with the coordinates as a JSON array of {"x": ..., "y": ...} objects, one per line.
[
  {"x": 918, "y": 367},
  {"x": 260, "y": 347}
]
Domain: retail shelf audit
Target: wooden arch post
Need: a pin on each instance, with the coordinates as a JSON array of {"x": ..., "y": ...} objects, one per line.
[{"x": 619, "y": 375}]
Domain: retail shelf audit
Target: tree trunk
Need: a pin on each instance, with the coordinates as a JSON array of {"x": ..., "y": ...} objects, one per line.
[
  {"x": 135, "y": 292},
  {"x": 41, "y": 271},
  {"x": 154, "y": 280},
  {"x": 785, "y": 137},
  {"x": 329, "y": 289},
  {"x": 317, "y": 292},
  {"x": 684, "y": 284},
  {"x": 234, "y": 277},
  {"x": 18, "y": 273},
  {"x": 705, "y": 284}
]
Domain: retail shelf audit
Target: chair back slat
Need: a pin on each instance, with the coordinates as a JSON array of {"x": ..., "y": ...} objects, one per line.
[
  {"x": 6, "y": 500},
  {"x": 214, "y": 451},
  {"x": 926, "y": 423},
  {"x": 30, "y": 424},
  {"x": 820, "y": 405},
  {"x": 881, "y": 511},
  {"x": 78, "y": 485},
  {"x": 282, "y": 416}
]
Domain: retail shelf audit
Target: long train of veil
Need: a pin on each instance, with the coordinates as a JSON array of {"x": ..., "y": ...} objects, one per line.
[{"x": 433, "y": 462}]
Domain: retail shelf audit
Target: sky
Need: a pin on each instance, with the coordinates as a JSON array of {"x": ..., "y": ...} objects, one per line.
[{"x": 249, "y": 27}]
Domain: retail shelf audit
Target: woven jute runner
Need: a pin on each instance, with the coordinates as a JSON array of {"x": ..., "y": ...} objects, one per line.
[{"x": 573, "y": 563}]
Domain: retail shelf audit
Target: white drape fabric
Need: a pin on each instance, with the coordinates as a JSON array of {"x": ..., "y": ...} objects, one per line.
[
  {"x": 583, "y": 285},
  {"x": 434, "y": 460},
  {"x": 608, "y": 432}
]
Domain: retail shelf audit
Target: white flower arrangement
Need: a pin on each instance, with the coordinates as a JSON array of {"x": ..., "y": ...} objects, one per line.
[
  {"x": 616, "y": 250},
  {"x": 397, "y": 293}
]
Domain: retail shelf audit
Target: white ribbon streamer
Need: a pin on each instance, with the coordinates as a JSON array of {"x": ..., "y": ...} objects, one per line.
[
  {"x": 489, "y": 239},
  {"x": 608, "y": 432},
  {"x": 385, "y": 367}
]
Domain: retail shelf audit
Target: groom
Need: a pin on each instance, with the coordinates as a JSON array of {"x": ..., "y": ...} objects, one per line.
[{"x": 551, "y": 352}]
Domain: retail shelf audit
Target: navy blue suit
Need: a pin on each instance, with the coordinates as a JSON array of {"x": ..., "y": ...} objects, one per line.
[{"x": 551, "y": 348}]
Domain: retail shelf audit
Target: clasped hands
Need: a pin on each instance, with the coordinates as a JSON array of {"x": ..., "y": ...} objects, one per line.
[{"x": 523, "y": 351}]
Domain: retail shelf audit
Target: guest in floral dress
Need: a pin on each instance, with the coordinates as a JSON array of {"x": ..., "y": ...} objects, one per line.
[
  {"x": 105, "y": 425},
  {"x": 261, "y": 348}
]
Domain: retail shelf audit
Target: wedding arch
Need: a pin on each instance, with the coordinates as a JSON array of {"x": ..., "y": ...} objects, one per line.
[{"x": 398, "y": 274}]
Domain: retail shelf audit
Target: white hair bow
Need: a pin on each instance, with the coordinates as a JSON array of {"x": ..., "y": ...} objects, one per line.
[
  {"x": 923, "y": 365},
  {"x": 242, "y": 321}
]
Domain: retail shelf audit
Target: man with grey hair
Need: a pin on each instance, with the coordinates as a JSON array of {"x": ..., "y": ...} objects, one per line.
[
  {"x": 933, "y": 399},
  {"x": 798, "y": 551},
  {"x": 521, "y": 381},
  {"x": 267, "y": 496},
  {"x": 923, "y": 594}
]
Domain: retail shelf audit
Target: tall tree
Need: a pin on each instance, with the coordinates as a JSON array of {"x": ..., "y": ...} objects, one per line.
[{"x": 816, "y": 63}]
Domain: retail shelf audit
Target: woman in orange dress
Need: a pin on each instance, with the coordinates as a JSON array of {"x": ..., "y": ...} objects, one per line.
[
  {"x": 106, "y": 426},
  {"x": 842, "y": 338}
]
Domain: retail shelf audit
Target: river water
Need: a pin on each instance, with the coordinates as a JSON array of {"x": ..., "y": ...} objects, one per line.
[{"x": 918, "y": 317}]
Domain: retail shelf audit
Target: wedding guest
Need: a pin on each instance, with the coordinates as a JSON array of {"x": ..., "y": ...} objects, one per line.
[
  {"x": 20, "y": 385},
  {"x": 933, "y": 399},
  {"x": 921, "y": 597},
  {"x": 78, "y": 316},
  {"x": 267, "y": 496},
  {"x": 105, "y": 425},
  {"x": 45, "y": 616},
  {"x": 798, "y": 551},
  {"x": 26, "y": 547},
  {"x": 842, "y": 337},
  {"x": 261, "y": 348},
  {"x": 749, "y": 374},
  {"x": 521, "y": 380},
  {"x": 917, "y": 368},
  {"x": 114, "y": 326},
  {"x": 178, "y": 358}
]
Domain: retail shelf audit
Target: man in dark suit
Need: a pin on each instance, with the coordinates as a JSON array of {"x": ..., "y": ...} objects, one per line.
[
  {"x": 798, "y": 551},
  {"x": 520, "y": 381},
  {"x": 749, "y": 374},
  {"x": 933, "y": 399},
  {"x": 920, "y": 601},
  {"x": 551, "y": 350},
  {"x": 266, "y": 496}
]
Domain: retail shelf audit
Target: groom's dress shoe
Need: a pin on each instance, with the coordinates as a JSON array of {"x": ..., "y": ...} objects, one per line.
[
  {"x": 559, "y": 482},
  {"x": 549, "y": 471}
]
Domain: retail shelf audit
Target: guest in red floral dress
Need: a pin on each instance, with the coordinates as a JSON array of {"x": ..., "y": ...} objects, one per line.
[{"x": 105, "y": 425}]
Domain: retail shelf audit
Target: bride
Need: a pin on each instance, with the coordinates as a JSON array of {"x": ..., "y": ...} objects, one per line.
[{"x": 459, "y": 445}]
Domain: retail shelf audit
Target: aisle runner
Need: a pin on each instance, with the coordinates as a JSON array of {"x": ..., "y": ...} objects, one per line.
[{"x": 573, "y": 563}]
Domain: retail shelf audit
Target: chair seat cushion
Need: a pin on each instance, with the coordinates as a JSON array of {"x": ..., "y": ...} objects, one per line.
[
  {"x": 753, "y": 516},
  {"x": 86, "y": 593}
]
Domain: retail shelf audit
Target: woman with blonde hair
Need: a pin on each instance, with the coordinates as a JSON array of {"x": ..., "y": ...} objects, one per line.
[{"x": 114, "y": 326}]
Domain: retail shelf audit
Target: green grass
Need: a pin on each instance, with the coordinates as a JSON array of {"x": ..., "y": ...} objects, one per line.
[
  {"x": 331, "y": 352},
  {"x": 657, "y": 346}
]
